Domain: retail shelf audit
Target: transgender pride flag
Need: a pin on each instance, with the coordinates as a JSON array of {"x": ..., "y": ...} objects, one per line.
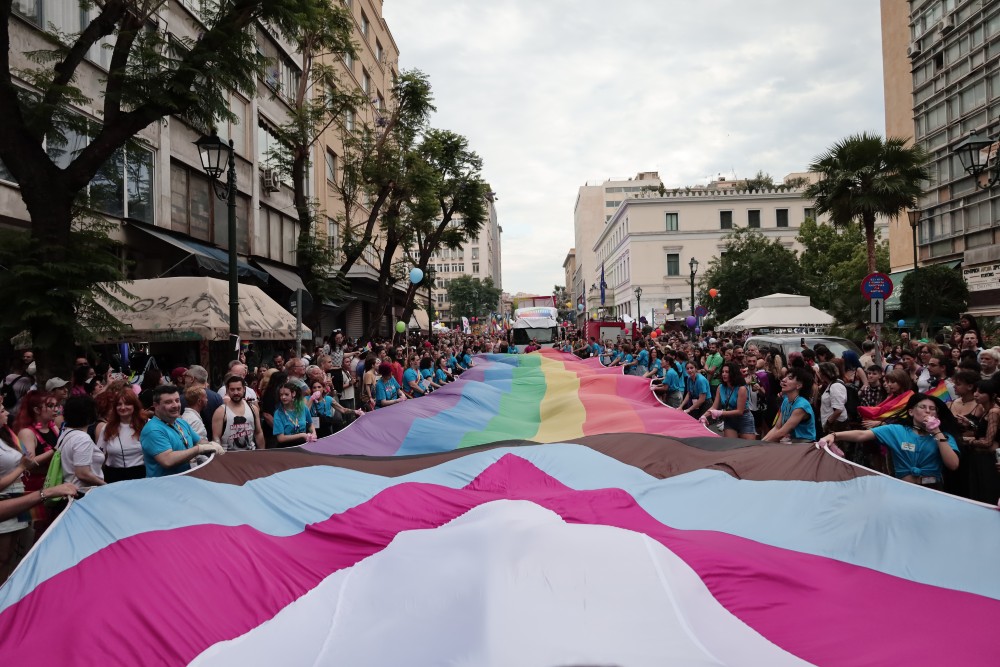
[{"x": 539, "y": 511}]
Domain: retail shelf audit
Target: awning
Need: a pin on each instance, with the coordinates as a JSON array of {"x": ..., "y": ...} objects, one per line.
[
  {"x": 286, "y": 277},
  {"x": 197, "y": 308},
  {"x": 418, "y": 320},
  {"x": 897, "y": 277},
  {"x": 208, "y": 257}
]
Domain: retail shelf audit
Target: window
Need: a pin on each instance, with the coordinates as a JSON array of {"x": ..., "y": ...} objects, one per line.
[
  {"x": 270, "y": 151},
  {"x": 331, "y": 166},
  {"x": 613, "y": 203},
  {"x": 349, "y": 62},
  {"x": 725, "y": 219},
  {"x": 753, "y": 219},
  {"x": 65, "y": 17},
  {"x": 673, "y": 264},
  {"x": 781, "y": 215},
  {"x": 237, "y": 131},
  {"x": 365, "y": 25},
  {"x": 280, "y": 75},
  {"x": 809, "y": 214},
  {"x": 349, "y": 120},
  {"x": 475, "y": 253},
  {"x": 673, "y": 305},
  {"x": 379, "y": 52},
  {"x": 197, "y": 212},
  {"x": 475, "y": 267},
  {"x": 671, "y": 222},
  {"x": 366, "y": 82},
  {"x": 331, "y": 236}
]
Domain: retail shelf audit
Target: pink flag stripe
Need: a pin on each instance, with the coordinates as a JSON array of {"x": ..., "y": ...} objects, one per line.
[{"x": 822, "y": 610}]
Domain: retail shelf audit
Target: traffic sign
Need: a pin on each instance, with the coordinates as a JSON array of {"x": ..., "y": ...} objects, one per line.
[
  {"x": 701, "y": 311},
  {"x": 876, "y": 286},
  {"x": 878, "y": 311}
]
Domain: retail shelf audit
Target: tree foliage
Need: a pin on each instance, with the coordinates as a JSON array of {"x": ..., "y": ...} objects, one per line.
[
  {"x": 751, "y": 266},
  {"x": 151, "y": 74},
  {"x": 834, "y": 261},
  {"x": 865, "y": 176},
  {"x": 942, "y": 293},
  {"x": 472, "y": 297}
]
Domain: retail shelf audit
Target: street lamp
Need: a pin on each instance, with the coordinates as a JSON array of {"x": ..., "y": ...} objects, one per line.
[
  {"x": 638, "y": 305},
  {"x": 975, "y": 152},
  {"x": 217, "y": 157},
  {"x": 693, "y": 265},
  {"x": 914, "y": 223}
]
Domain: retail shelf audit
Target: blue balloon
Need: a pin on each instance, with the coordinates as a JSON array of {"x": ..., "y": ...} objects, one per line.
[
  {"x": 579, "y": 307},
  {"x": 416, "y": 275},
  {"x": 901, "y": 324}
]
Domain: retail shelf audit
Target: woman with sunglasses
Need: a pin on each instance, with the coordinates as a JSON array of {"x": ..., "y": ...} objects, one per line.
[{"x": 37, "y": 431}]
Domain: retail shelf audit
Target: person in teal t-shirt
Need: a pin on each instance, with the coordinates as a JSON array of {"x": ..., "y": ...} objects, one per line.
[{"x": 796, "y": 420}]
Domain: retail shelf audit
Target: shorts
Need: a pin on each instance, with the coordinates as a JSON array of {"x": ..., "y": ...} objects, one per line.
[{"x": 743, "y": 424}]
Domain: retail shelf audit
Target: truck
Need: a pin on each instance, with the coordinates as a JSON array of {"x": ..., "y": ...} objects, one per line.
[
  {"x": 607, "y": 330},
  {"x": 537, "y": 323}
]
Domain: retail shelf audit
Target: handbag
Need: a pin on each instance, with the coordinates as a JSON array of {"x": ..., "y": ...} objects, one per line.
[{"x": 54, "y": 475}]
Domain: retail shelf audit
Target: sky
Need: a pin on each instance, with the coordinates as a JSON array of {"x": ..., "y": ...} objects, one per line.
[{"x": 555, "y": 93}]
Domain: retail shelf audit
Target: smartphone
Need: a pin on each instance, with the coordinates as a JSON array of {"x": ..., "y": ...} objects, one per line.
[{"x": 802, "y": 342}]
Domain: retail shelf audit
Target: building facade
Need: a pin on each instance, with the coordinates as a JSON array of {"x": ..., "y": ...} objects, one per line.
[
  {"x": 651, "y": 239},
  {"x": 596, "y": 203},
  {"x": 171, "y": 222},
  {"x": 942, "y": 69},
  {"x": 479, "y": 258}
]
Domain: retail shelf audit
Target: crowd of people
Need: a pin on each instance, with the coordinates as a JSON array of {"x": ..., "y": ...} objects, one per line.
[{"x": 926, "y": 411}]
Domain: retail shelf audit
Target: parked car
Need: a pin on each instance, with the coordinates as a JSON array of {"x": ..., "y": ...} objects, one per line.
[{"x": 793, "y": 343}]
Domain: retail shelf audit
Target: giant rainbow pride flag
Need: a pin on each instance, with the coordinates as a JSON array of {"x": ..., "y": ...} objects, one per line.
[{"x": 539, "y": 511}]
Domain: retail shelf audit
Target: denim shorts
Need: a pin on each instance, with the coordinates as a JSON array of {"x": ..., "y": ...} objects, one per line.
[{"x": 742, "y": 424}]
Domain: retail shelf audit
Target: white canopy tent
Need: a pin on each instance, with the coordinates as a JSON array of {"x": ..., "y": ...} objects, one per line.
[
  {"x": 197, "y": 308},
  {"x": 778, "y": 311}
]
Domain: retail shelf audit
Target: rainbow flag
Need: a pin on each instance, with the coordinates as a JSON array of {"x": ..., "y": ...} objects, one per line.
[
  {"x": 485, "y": 547},
  {"x": 890, "y": 408}
]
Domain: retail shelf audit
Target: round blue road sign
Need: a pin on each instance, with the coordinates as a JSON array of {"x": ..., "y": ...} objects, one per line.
[{"x": 876, "y": 286}]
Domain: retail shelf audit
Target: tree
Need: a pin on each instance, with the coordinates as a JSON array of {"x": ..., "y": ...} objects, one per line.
[
  {"x": 834, "y": 262},
  {"x": 762, "y": 181},
  {"x": 942, "y": 292},
  {"x": 449, "y": 207},
  {"x": 151, "y": 74},
  {"x": 471, "y": 297},
  {"x": 750, "y": 266},
  {"x": 864, "y": 177}
]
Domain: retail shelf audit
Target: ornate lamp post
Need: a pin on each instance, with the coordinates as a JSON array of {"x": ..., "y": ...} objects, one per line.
[
  {"x": 975, "y": 153},
  {"x": 218, "y": 157},
  {"x": 638, "y": 305},
  {"x": 693, "y": 265}
]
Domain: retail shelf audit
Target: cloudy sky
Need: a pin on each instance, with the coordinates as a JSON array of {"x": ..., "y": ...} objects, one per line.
[{"x": 555, "y": 93}]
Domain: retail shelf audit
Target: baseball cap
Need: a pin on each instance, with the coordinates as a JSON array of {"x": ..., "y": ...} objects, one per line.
[
  {"x": 55, "y": 383},
  {"x": 177, "y": 373}
]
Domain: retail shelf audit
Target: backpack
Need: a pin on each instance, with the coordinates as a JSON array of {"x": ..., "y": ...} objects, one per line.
[
  {"x": 852, "y": 403},
  {"x": 7, "y": 393}
]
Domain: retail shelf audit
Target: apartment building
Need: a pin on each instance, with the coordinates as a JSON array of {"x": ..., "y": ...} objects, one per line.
[
  {"x": 650, "y": 240},
  {"x": 479, "y": 258},
  {"x": 941, "y": 64},
  {"x": 596, "y": 203},
  {"x": 171, "y": 221}
]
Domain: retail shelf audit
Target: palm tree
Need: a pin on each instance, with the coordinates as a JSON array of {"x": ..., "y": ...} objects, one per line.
[{"x": 863, "y": 177}]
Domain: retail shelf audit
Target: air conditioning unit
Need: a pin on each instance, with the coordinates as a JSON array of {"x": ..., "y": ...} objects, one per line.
[
  {"x": 271, "y": 180},
  {"x": 947, "y": 24},
  {"x": 913, "y": 50}
]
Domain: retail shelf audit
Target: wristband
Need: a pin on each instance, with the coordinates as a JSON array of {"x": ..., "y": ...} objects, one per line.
[{"x": 41, "y": 493}]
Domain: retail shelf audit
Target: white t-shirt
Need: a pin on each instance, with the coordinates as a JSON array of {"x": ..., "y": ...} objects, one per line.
[
  {"x": 9, "y": 458},
  {"x": 79, "y": 451},
  {"x": 193, "y": 418},
  {"x": 834, "y": 398},
  {"x": 123, "y": 450}
]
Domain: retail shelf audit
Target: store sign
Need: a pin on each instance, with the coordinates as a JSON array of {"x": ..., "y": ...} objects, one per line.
[{"x": 983, "y": 277}]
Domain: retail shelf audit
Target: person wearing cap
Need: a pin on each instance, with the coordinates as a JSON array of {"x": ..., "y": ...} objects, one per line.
[
  {"x": 178, "y": 376},
  {"x": 59, "y": 389},
  {"x": 21, "y": 377}
]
